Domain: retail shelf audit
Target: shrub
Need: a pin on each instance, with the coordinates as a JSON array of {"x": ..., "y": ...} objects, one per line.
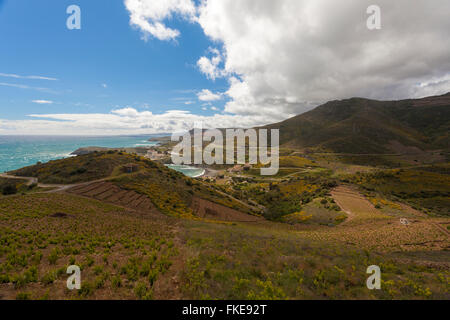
[
  {"x": 98, "y": 270},
  {"x": 4, "y": 278},
  {"x": 99, "y": 281},
  {"x": 53, "y": 256},
  {"x": 23, "y": 296},
  {"x": 49, "y": 278},
  {"x": 9, "y": 189},
  {"x": 78, "y": 171},
  {"x": 31, "y": 275},
  {"x": 89, "y": 261},
  {"x": 86, "y": 289},
  {"x": 142, "y": 292},
  {"x": 116, "y": 281},
  {"x": 152, "y": 277},
  {"x": 32, "y": 186}
]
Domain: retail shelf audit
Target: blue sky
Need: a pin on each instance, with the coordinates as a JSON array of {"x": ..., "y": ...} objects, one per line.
[
  {"x": 156, "y": 75},
  {"x": 148, "y": 66}
]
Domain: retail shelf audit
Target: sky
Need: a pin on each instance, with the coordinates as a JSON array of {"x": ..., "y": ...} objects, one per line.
[{"x": 149, "y": 66}]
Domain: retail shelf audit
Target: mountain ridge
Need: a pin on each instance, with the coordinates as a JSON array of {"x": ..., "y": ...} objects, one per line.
[{"x": 359, "y": 125}]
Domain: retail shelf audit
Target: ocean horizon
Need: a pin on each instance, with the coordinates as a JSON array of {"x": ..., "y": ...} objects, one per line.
[{"x": 20, "y": 151}]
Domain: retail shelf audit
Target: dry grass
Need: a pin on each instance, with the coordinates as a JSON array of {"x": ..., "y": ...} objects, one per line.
[{"x": 117, "y": 249}]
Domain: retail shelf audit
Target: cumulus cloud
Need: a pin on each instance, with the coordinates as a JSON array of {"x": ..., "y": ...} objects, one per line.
[
  {"x": 284, "y": 57},
  {"x": 211, "y": 66},
  {"x": 287, "y": 56},
  {"x": 149, "y": 16},
  {"x": 281, "y": 58},
  {"x": 208, "y": 95},
  {"x": 122, "y": 121}
]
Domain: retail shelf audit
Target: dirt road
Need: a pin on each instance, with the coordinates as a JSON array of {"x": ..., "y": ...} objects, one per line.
[{"x": 54, "y": 187}]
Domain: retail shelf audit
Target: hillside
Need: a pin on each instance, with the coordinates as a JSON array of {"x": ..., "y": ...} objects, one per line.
[
  {"x": 171, "y": 192},
  {"x": 366, "y": 126},
  {"x": 139, "y": 230}
]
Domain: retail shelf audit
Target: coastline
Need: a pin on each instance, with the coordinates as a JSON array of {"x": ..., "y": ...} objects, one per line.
[
  {"x": 180, "y": 168},
  {"x": 200, "y": 175},
  {"x": 21, "y": 151}
]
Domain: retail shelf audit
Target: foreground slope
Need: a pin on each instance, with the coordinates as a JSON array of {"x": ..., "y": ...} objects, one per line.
[{"x": 132, "y": 254}]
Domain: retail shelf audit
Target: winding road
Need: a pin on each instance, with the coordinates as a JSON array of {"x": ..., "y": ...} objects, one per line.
[{"x": 54, "y": 187}]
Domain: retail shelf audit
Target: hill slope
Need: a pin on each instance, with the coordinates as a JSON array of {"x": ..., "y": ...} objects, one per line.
[
  {"x": 170, "y": 191},
  {"x": 369, "y": 126}
]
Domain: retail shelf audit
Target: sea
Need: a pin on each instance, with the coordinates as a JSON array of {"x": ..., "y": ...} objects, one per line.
[{"x": 21, "y": 151}]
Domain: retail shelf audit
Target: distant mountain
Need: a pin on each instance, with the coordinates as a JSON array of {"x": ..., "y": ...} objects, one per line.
[{"x": 361, "y": 126}]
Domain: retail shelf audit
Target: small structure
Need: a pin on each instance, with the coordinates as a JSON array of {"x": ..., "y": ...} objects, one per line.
[
  {"x": 236, "y": 168},
  {"x": 155, "y": 154},
  {"x": 130, "y": 168},
  {"x": 404, "y": 221}
]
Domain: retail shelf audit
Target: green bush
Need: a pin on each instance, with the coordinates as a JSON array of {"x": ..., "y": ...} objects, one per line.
[
  {"x": 49, "y": 278},
  {"x": 116, "y": 281},
  {"x": 53, "y": 256},
  {"x": 86, "y": 289},
  {"x": 23, "y": 296},
  {"x": 142, "y": 292},
  {"x": 9, "y": 189}
]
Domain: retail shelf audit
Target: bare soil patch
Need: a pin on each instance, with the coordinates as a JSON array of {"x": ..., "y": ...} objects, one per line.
[
  {"x": 210, "y": 210},
  {"x": 108, "y": 192},
  {"x": 355, "y": 205}
]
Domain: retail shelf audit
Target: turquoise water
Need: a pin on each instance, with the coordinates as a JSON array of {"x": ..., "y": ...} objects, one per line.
[
  {"x": 187, "y": 170},
  {"x": 21, "y": 151}
]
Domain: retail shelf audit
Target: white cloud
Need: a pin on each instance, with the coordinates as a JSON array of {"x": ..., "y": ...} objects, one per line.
[
  {"x": 149, "y": 16},
  {"x": 42, "y": 101},
  {"x": 211, "y": 66},
  {"x": 214, "y": 108},
  {"x": 104, "y": 85},
  {"x": 207, "y": 95},
  {"x": 283, "y": 57},
  {"x": 290, "y": 55},
  {"x": 16, "y": 76},
  {"x": 122, "y": 121}
]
